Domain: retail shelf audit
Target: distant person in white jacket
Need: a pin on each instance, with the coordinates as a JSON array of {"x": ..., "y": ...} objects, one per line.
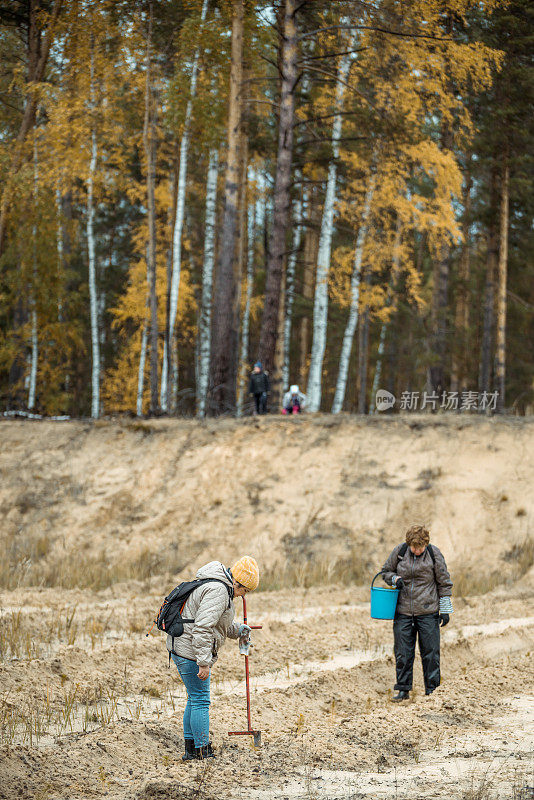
[
  {"x": 294, "y": 401},
  {"x": 195, "y": 651}
]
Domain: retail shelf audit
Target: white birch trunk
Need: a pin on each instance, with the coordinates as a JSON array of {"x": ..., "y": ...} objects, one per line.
[
  {"x": 93, "y": 296},
  {"x": 142, "y": 355},
  {"x": 320, "y": 306},
  {"x": 251, "y": 234},
  {"x": 262, "y": 206},
  {"x": 180, "y": 211},
  {"x": 59, "y": 250},
  {"x": 352, "y": 321},
  {"x": 34, "y": 360},
  {"x": 141, "y": 372},
  {"x": 384, "y": 328},
  {"x": 34, "y": 337},
  {"x": 290, "y": 286},
  {"x": 175, "y": 375},
  {"x": 378, "y": 368},
  {"x": 204, "y": 331}
]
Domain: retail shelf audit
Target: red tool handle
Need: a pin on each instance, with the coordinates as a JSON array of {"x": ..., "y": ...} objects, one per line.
[
  {"x": 247, "y": 682},
  {"x": 256, "y": 734}
]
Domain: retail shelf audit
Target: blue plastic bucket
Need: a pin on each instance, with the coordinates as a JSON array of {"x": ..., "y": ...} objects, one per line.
[{"x": 383, "y": 601}]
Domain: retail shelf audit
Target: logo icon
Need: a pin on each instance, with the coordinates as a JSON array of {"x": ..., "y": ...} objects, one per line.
[{"x": 384, "y": 400}]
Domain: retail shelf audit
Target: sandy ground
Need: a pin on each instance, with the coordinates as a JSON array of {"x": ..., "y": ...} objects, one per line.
[{"x": 88, "y": 707}]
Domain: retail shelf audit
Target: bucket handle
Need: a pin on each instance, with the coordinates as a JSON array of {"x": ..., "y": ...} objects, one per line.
[{"x": 376, "y": 576}]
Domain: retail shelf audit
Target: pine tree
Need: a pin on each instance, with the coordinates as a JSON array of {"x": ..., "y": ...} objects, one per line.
[
  {"x": 282, "y": 183},
  {"x": 224, "y": 335}
]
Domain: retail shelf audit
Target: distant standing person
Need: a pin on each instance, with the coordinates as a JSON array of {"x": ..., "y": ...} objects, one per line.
[
  {"x": 419, "y": 570},
  {"x": 259, "y": 388}
]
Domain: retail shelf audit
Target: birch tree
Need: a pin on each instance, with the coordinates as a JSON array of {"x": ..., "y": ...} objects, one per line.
[
  {"x": 320, "y": 307},
  {"x": 149, "y": 141},
  {"x": 298, "y": 211},
  {"x": 363, "y": 357},
  {"x": 33, "y": 298},
  {"x": 243, "y": 357},
  {"x": 500, "y": 355},
  {"x": 93, "y": 293},
  {"x": 142, "y": 358},
  {"x": 141, "y": 371},
  {"x": 350, "y": 328},
  {"x": 179, "y": 222},
  {"x": 204, "y": 326}
]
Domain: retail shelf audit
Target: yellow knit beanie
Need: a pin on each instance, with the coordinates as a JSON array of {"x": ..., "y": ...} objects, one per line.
[{"x": 246, "y": 572}]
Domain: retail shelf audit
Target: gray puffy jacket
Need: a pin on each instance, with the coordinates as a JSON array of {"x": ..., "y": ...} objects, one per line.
[
  {"x": 424, "y": 581},
  {"x": 213, "y": 611}
]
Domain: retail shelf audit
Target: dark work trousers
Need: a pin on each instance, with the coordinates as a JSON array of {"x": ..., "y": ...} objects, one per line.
[
  {"x": 405, "y": 631},
  {"x": 260, "y": 401}
]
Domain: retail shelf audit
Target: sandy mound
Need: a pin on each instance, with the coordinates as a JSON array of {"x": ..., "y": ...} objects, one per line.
[{"x": 87, "y": 504}]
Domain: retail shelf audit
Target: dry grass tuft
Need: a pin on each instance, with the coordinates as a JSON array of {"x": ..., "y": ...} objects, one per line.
[
  {"x": 19, "y": 639},
  {"x": 140, "y": 427},
  {"x": 316, "y": 571},
  {"x": 522, "y": 555},
  {"x": 27, "y": 560},
  {"x": 479, "y": 791},
  {"x": 469, "y": 580}
]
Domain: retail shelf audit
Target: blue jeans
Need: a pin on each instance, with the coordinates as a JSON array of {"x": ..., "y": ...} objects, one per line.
[{"x": 197, "y": 709}]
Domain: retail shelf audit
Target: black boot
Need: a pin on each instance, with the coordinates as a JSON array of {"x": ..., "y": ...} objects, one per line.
[
  {"x": 429, "y": 691},
  {"x": 402, "y": 695},
  {"x": 205, "y": 752},
  {"x": 190, "y": 750}
]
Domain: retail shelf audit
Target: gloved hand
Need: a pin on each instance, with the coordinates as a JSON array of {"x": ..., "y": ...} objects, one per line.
[
  {"x": 399, "y": 583},
  {"x": 243, "y": 630},
  {"x": 444, "y": 619}
]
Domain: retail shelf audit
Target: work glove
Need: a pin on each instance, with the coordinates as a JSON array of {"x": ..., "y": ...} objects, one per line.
[
  {"x": 444, "y": 619},
  {"x": 399, "y": 583},
  {"x": 243, "y": 630}
]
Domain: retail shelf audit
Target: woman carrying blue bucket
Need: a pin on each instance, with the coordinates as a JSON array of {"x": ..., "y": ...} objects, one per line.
[{"x": 418, "y": 570}]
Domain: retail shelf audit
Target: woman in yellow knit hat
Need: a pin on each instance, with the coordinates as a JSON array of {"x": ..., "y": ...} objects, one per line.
[{"x": 211, "y": 607}]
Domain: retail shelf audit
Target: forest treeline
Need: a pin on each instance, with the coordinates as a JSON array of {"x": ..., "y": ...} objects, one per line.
[{"x": 342, "y": 190}]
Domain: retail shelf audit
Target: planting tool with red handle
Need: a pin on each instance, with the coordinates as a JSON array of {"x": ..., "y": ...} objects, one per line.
[{"x": 250, "y": 731}]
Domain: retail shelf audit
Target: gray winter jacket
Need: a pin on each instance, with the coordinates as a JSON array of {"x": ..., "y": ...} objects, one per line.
[
  {"x": 424, "y": 582},
  {"x": 213, "y": 611}
]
